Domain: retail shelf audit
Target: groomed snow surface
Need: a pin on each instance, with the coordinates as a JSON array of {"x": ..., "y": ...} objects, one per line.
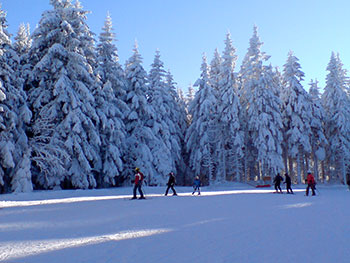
[{"x": 224, "y": 224}]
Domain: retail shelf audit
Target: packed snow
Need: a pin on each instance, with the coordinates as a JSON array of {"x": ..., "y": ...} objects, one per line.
[{"x": 234, "y": 223}]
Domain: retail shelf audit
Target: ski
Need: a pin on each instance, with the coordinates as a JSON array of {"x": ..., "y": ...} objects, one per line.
[{"x": 132, "y": 199}]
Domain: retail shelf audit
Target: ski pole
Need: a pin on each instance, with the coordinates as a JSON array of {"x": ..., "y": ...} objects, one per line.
[
  {"x": 144, "y": 191},
  {"x": 318, "y": 192}
]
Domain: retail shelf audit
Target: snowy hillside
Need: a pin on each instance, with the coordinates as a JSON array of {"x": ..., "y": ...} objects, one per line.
[{"x": 221, "y": 225}]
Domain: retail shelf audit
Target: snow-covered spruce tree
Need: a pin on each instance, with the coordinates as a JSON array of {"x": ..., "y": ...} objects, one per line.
[
  {"x": 189, "y": 98},
  {"x": 179, "y": 117},
  {"x": 166, "y": 149},
  {"x": 22, "y": 45},
  {"x": 262, "y": 114},
  {"x": 249, "y": 68},
  {"x": 198, "y": 137},
  {"x": 297, "y": 115},
  {"x": 181, "y": 96},
  {"x": 337, "y": 125},
  {"x": 190, "y": 94},
  {"x": 139, "y": 121},
  {"x": 23, "y": 41},
  {"x": 7, "y": 116},
  {"x": 184, "y": 173},
  {"x": 78, "y": 18},
  {"x": 214, "y": 80},
  {"x": 110, "y": 107},
  {"x": 15, "y": 174},
  {"x": 314, "y": 90},
  {"x": 227, "y": 119},
  {"x": 65, "y": 138},
  {"x": 6, "y": 160},
  {"x": 214, "y": 71},
  {"x": 183, "y": 104},
  {"x": 318, "y": 138}
]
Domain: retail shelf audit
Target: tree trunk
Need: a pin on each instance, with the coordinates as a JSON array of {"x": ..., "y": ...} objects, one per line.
[
  {"x": 343, "y": 172},
  {"x": 237, "y": 172},
  {"x": 307, "y": 162},
  {"x": 299, "y": 168},
  {"x": 323, "y": 169},
  {"x": 290, "y": 170},
  {"x": 285, "y": 159},
  {"x": 315, "y": 166}
]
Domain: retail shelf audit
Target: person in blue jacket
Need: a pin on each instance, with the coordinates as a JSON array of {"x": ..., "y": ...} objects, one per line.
[{"x": 197, "y": 185}]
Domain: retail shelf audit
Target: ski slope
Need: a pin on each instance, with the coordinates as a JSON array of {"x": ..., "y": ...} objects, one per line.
[{"x": 224, "y": 224}]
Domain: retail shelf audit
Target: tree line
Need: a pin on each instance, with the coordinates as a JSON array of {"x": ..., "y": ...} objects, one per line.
[{"x": 71, "y": 116}]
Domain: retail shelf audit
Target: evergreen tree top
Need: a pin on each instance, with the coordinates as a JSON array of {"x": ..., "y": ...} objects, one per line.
[
  {"x": 23, "y": 40},
  {"x": 157, "y": 72},
  {"x": 229, "y": 57},
  {"x": 190, "y": 93},
  {"x": 292, "y": 67},
  {"x": 4, "y": 34},
  {"x": 57, "y": 4},
  {"x": 252, "y": 62},
  {"x": 136, "y": 57},
  {"x": 204, "y": 71},
  {"x": 107, "y": 35},
  {"x": 215, "y": 64},
  {"x": 216, "y": 59},
  {"x": 106, "y": 48},
  {"x": 314, "y": 90},
  {"x": 337, "y": 75},
  {"x": 335, "y": 92},
  {"x": 133, "y": 67}
]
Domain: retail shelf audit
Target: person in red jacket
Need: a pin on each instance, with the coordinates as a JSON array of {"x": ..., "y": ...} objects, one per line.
[
  {"x": 138, "y": 183},
  {"x": 310, "y": 180}
]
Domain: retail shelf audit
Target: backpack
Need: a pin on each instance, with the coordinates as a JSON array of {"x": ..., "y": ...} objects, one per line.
[{"x": 142, "y": 177}]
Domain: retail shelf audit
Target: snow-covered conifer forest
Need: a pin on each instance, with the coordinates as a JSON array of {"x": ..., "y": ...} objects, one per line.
[{"x": 73, "y": 117}]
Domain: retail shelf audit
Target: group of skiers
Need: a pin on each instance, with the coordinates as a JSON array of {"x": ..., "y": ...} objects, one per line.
[
  {"x": 277, "y": 181},
  {"x": 139, "y": 178},
  {"x": 310, "y": 181}
]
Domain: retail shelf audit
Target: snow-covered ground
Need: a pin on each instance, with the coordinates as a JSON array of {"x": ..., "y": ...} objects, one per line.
[{"x": 224, "y": 224}]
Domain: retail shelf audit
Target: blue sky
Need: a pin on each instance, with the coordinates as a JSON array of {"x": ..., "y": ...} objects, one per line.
[{"x": 182, "y": 30}]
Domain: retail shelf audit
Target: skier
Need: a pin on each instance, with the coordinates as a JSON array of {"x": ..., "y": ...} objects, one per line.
[
  {"x": 348, "y": 181},
  {"x": 196, "y": 185},
  {"x": 138, "y": 183},
  {"x": 288, "y": 183},
  {"x": 311, "y": 183},
  {"x": 171, "y": 183},
  {"x": 278, "y": 179}
]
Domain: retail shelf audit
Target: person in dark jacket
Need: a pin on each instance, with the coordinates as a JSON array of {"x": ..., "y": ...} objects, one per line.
[
  {"x": 139, "y": 177},
  {"x": 171, "y": 183},
  {"x": 197, "y": 185},
  {"x": 288, "y": 183},
  {"x": 348, "y": 181},
  {"x": 277, "y": 181},
  {"x": 311, "y": 183}
]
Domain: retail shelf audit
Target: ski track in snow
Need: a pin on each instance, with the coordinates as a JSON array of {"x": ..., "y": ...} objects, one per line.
[
  {"x": 15, "y": 250},
  {"x": 221, "y": 226},
  {"x": 4, "y": 204}
]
